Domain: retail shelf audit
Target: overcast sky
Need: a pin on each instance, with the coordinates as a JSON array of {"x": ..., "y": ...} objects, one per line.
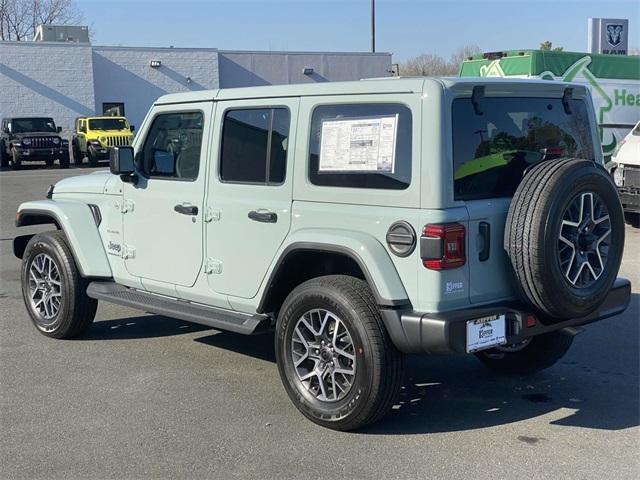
[{"x": 404, "y": 27}]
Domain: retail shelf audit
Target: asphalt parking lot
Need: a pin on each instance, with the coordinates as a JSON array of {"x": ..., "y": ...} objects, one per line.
[{"x": 147, "y": 396}]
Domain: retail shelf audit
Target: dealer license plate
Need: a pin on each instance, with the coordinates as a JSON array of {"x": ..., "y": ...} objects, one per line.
[{"x": 485, "y": 333}]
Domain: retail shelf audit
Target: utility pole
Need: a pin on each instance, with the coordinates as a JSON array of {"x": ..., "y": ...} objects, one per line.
[{"x": 373, "y": 26}]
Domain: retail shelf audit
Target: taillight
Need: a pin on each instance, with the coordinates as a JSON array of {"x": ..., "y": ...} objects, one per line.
[{"x": 442, "y": 246}]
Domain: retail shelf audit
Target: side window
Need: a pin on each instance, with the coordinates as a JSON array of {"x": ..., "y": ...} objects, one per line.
[
  {"x": 172, "y": 147},
  {"x": 362, "y": 145},
  {"x": 254, "y": 146}
]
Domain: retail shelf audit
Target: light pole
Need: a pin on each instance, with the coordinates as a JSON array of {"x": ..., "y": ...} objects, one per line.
[{"x": 373, "y": 26}]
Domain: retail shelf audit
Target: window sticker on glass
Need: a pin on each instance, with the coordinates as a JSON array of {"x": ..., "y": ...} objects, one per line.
[{"x": 359, "y": 145}]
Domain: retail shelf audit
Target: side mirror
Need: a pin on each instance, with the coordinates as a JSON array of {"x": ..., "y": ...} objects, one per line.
[
  {"x": 132, "y": 128},
  {"x": 59, "y": 129},
  {"x": 121, "y": 161}
]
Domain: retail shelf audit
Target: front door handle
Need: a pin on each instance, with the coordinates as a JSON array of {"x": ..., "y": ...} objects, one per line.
[
  {"x": 263, "y": 216},
  {"x": 186, "y": 209}
]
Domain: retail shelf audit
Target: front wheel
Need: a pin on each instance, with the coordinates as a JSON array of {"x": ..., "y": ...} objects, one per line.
[
  {"x": 53, "y": 291},
  {"x": 64, "y": 161},
  {"x": 91, "y": 158},
  {"x": 16, "y": 162},
  {"x": 335, "y": 358},
  {"x": 530, "y": 356}
]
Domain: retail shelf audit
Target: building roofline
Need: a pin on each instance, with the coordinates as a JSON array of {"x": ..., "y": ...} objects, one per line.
[{"x": 192, "y": 49}]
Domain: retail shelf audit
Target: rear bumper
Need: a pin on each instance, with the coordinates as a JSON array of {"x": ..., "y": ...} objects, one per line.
[{"x": 445, "y": 333}]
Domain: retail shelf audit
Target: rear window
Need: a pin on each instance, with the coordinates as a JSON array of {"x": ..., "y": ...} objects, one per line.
[{"x": 493, "y": 150}]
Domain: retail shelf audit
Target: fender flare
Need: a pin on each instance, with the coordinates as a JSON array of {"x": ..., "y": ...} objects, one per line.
[
  {"x": 77, "y": 222},
  {"x": 370, "y": 255}
]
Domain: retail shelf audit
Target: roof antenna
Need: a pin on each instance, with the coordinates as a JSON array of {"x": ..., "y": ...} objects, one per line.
[
  {"x": 566, "y": 98},
  {"x": 476, "y": 97}
]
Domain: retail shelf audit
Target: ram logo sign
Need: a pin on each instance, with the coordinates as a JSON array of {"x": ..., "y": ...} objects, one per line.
[{"x": 614, "y": 34}]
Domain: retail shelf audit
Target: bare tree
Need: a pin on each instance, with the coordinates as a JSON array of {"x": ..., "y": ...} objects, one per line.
[
  {"x": 19, "y": 18},
  {"x": 429, "y": 64},
  {"x": 548, "y": 46}
]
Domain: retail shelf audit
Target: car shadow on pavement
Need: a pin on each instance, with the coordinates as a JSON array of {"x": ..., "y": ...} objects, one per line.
[
  {"x": 144, "y": 326},
  {"x": 595, "y": 386}
]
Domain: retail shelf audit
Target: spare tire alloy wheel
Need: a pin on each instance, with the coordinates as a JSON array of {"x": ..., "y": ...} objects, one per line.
[
  {"x": 584, "y": 239},
  {"x": 323, "y": 355},
  {"x": 564, "y": 235},
  {"x": 45, "y": 289}
]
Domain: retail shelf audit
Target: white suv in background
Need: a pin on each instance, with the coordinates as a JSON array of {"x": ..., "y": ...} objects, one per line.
[{"x": 626, "y": 174}]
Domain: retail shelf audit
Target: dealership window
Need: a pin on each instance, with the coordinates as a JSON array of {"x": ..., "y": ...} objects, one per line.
[
  {"x": 172, "y": 147},
  {"x": 112, "y": 109},
  {"x": 492, "y": 151},
  {"x": 254, "y": 146},
  {"x": 362, "y": 145}
]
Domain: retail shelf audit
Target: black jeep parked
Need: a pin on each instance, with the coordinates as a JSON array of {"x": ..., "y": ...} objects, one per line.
[{"x": 32, "y": 138}]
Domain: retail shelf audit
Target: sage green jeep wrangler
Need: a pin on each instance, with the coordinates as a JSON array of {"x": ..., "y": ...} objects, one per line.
[{"x": 360, "y": 221}]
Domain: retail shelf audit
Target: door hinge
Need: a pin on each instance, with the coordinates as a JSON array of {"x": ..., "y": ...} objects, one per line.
[
  {"x": 213, "y": 266},
  {"x": 125, "y": 206},
  {"x": 128, "y": 252},
  {"x": 212, "y": 215}
]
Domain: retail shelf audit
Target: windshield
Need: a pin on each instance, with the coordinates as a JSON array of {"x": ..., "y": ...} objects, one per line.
[
  {"x": 108, "y": 124},
  {"x": 493, "y": 150},
  {"x": 23, "y": 125}
]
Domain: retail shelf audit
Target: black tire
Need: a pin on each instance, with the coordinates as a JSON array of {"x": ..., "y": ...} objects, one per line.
[
  {"x": 541, "y": 352},
  {"x": 77, "y": 155},
  {"x": 91, "y": 158},
  {"x": 532, "y": 237},
  {"x": 64, "y": 161},
  {"x": 16, "y": 162},
  {"x": 378, "y": 364},
  {"x": 76, "y": 310},
  {"x": 632, "y": 218},
  {"x": 4, "y": 158}
]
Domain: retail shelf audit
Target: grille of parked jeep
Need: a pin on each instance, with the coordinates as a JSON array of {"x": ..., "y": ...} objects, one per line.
[
  {"x": 41, "y": 142},
  {"x": 631, "y": 176},
  {"x": 118, "y": 141}
]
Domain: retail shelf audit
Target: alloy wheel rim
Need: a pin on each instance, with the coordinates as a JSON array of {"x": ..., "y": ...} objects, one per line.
[
  {"x": 584, "y": 240},
  {"x": 323, "y": 355},
  {"x": 45, "y": 287}
]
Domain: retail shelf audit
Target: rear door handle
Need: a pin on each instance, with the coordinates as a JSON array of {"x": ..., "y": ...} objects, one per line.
[
  {"x": 186, "y": 209},
  {"x": 484, "y": 229},
  {"x": 263, "y": 216}
]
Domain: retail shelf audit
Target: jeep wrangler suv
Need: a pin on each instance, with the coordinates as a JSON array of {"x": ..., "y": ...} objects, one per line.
[
  {"x": 32, "y": 139},
  {"x": 94, "y": 137},
  {"x": 359, "y": 220}
]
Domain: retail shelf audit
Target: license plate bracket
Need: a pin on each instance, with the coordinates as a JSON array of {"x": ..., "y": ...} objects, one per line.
[{"x": 486, "y": 332}]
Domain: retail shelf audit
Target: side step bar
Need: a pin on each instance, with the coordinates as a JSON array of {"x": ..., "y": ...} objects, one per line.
[{"x": 191, "y": 312}]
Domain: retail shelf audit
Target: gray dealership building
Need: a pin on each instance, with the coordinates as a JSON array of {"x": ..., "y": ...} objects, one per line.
[{"x": 65, "y": 80}]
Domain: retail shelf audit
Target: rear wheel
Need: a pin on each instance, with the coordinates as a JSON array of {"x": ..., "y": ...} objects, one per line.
[
  {"x": 528, "y": 357},
  {"x": 52, "y": 288},
  {"x": 77, "y": 155},
  {"x": 4, "y": 158},
  {"x": 336, "y": 361}
]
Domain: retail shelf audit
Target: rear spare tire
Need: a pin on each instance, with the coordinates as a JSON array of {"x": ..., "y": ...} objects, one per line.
[{"x": 564, "y": 237}]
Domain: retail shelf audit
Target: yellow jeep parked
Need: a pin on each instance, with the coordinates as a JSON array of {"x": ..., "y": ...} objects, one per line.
[{"x": 94, "y": 137}]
